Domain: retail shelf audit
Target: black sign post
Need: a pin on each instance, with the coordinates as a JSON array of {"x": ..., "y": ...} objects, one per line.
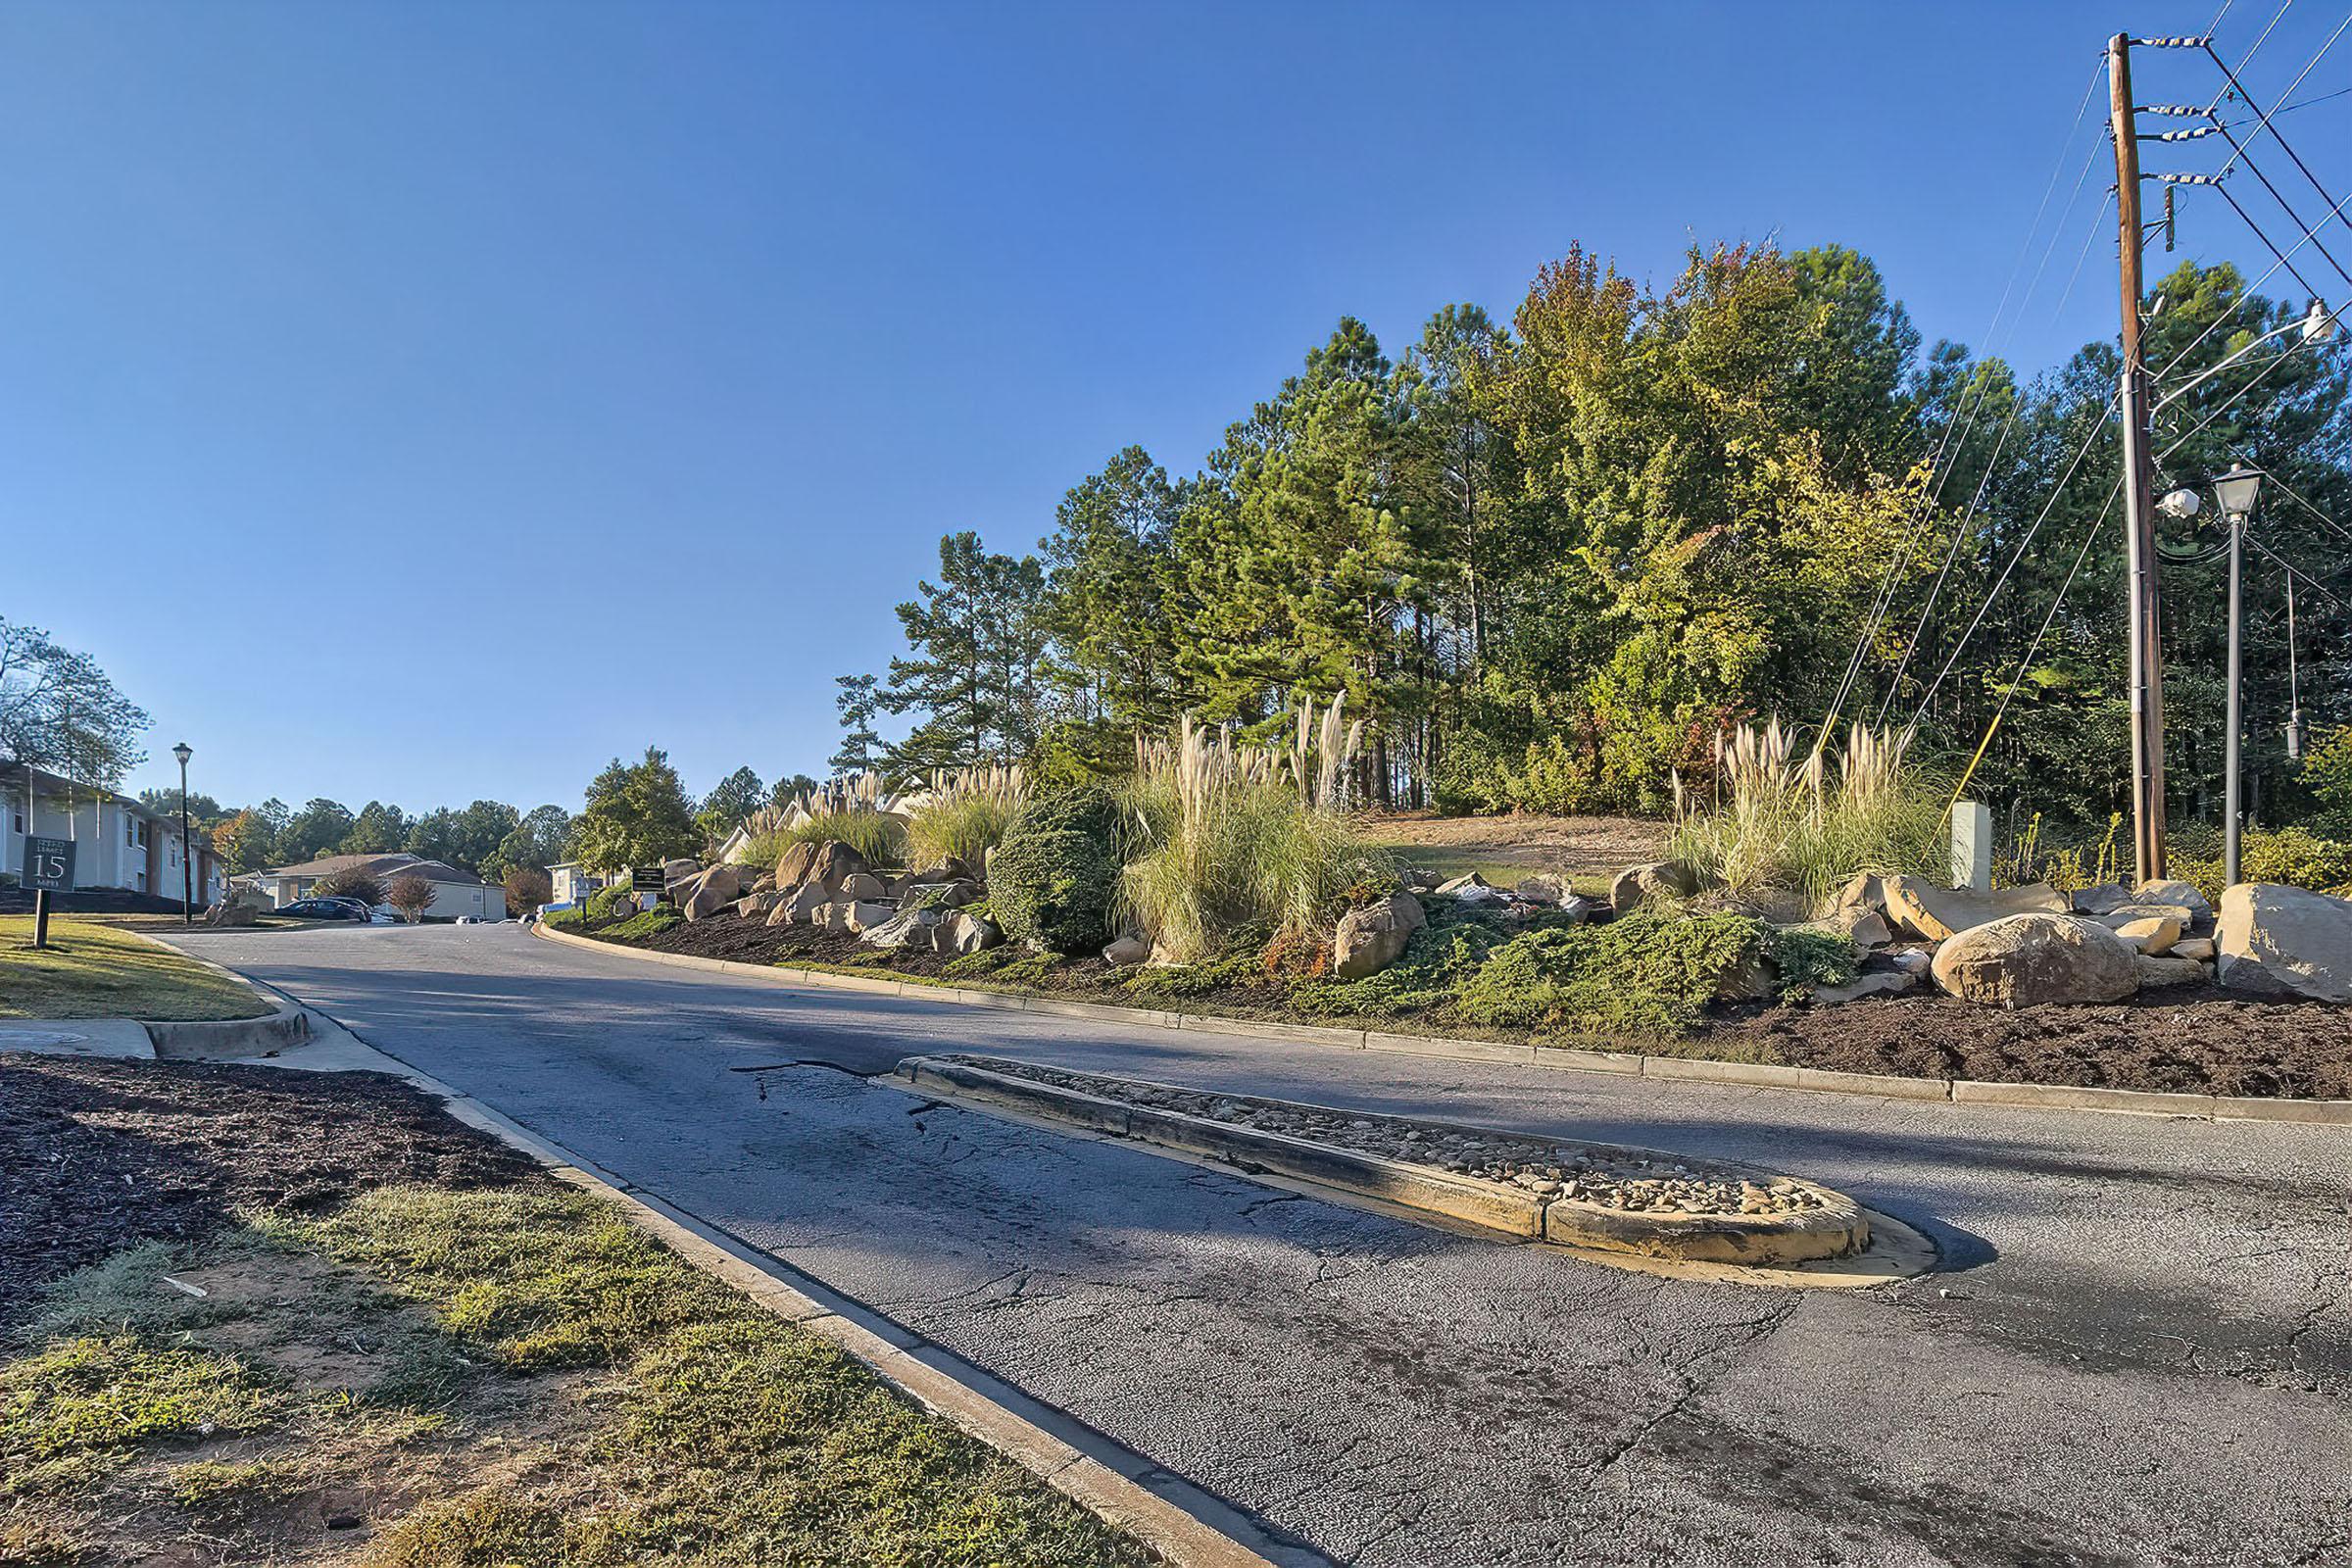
[{"x": 48, "y": 869}]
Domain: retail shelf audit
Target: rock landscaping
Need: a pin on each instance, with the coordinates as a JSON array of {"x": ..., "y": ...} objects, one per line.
[{"x": 2136, "y": 988}]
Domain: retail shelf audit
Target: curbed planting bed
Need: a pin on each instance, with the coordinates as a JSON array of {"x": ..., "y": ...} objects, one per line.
[{"x": 1603, "y": 1197}]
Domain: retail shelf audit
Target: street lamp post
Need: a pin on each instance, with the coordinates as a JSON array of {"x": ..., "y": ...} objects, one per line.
[
  {"x": 187, "y": 858},
  {"x": 2233, "y": 492}
]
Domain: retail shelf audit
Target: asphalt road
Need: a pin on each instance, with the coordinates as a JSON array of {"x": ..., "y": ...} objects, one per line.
[{"x": 2140, "y": 1352}]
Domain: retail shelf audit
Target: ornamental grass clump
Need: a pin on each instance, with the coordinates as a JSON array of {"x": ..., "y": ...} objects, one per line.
[
  {"x": 963, "y": 815},
  {"x": 1230, "y": 845},
  {"x": 1780, "y": 824}
]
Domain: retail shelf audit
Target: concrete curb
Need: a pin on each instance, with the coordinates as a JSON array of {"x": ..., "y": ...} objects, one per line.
[
  {"x": 1836, "y": 1229},
  {"x": 1188, "y": 1527},
  {"x": 223, "y": 1039},
  {"x": 227, "y": 1039},
  {"x": 1734, "y": 1074}
]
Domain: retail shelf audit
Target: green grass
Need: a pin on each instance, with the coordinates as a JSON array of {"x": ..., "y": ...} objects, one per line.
[
  {"x": 548, "y": 1384},
  {"x": 89, "y": 972}
]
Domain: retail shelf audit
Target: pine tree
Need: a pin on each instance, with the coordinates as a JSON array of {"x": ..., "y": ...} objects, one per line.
[
  {"x": 636, "y": 815},
  {"x": 974, "y": 640},
  {"x": 858, "y": 703}
]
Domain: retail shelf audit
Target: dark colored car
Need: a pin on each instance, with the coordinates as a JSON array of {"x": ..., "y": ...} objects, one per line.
[{"x": 325, "y": 909}]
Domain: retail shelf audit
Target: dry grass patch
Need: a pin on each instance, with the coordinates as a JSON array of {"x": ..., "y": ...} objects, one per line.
[
  {"x": 89, "y": 972},
  {"x": 505, "y": 1376}
]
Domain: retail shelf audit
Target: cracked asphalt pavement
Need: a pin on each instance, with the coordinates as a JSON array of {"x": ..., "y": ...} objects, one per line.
[{"x": 2138, "y": 1351}]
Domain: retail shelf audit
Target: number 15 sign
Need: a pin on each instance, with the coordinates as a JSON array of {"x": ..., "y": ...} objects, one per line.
[{"x": 49, "y": 864}]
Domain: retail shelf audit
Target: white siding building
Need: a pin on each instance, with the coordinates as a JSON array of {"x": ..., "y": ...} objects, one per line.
[
  {"x": 455, "y": 891},
  {"x": 119, "y": 844}
]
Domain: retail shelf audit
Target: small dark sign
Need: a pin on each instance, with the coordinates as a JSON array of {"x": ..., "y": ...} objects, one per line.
[
  {"x": 49, "y": 864},
  {"x": 645, "y": 879}
]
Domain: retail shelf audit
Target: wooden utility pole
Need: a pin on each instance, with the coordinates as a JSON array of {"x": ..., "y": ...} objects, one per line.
[{"x": 2140, "y": 507}]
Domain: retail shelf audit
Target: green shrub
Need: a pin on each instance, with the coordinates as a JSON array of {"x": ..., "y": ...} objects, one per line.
[
  {"x": 1029, "y": 969},
  {"x": 2294, "y": 855},
  {"x": 1196, "y": 979},
  {"x": 2327, "y": 772},
  {"x": 1650, "y": 972},
  {"x": 605, "y": 902},
  {"x": 1807, "y": 961},
  {"x": 977, "y": 965},
  {"x": 1056, "y": 872},
  {"x": 1438, "y": 960}
]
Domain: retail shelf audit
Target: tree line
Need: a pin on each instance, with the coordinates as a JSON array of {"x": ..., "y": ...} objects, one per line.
[{"x": 1550, "y": 560}]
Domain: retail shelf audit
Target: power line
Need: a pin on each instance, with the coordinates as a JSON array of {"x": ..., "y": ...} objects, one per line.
[
  {"x": 2296, "y": 495},
  {"x": 2097, "y": 431},
  {"x": 1971, "y": 401},
  {"x": 1960, "y": 529},
  {"x": 2298, "y": 575},
  {"x": 2035, "y": 647},
  {"x": 2266, "y": 239},
  {"x": 2252, "y": 289}
]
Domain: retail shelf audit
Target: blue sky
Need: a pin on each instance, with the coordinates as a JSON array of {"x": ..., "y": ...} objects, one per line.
[{"x": 431, "y": 401}]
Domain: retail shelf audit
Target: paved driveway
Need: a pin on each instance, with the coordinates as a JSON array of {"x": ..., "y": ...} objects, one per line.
[{"x": 2141, "y": 1353}]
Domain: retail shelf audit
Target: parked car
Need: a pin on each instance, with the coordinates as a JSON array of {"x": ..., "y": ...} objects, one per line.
[{"x": 325, "y": 909}]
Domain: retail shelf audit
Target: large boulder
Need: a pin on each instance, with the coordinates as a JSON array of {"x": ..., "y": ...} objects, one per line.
[
  {"x": 2123, "y": 914},
  {"x": 2032, "y": 960},
  {"x": 1865, "y": 927},
  {"x": 1925, "y": 912},
  {"x": 2149, "y": 933},
  {"x": 2100, "y": 898},
  {"x": 1372, "y": 938},
  {"x": 705, "y": 895},
  {"x": 1127, "y": 951},
  {"x": 2184, "y": 893},
  {"x": 836, "y": 863},
  {"x": 2158, "y": 970},
  {"x": 233, "y": 910},
  {"x": 863, "y": 914},
  {"x": 800, "y": 906},
  {"x": 862, "y": 885},
  {"x": 2276, "y": 940},
  {"x": 963, "y": 932},
  {"x": 755, "y": 905},
  {"x": 794, "y": 864},
  {"x": 917, "y": 929},
  {"x": 1666, "y": 881}
]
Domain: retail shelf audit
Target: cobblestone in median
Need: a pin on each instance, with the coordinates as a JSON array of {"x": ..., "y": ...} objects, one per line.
[{"x": 1539, "y": 1165}]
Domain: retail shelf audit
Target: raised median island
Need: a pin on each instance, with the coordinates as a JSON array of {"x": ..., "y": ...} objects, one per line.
[{"x": 1605, "y": 1197}]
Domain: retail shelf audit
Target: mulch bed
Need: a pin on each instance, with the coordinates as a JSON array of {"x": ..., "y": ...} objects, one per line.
[
  {"x": 2197, "y": 1040},
  {"x": 99, "y": 1155}
]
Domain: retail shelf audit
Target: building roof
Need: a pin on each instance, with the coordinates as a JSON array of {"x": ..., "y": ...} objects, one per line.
[
  {"x": 379, "y": 865},
  {"x": 55, "y": 784}
]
